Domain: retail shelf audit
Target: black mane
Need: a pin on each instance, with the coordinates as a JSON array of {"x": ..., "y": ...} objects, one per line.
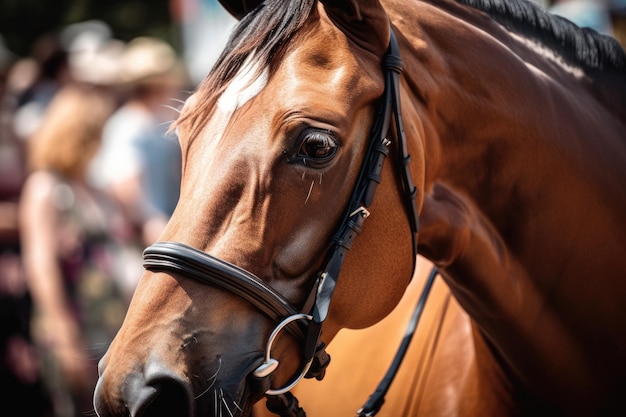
[{"x": 579, "y": 45}]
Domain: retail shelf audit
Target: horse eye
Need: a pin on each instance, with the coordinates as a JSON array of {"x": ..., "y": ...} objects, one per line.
[{"x": 317, "y": 145}]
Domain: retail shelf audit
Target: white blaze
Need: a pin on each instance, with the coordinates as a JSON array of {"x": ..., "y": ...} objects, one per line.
[{"x": 243, "y": 87}]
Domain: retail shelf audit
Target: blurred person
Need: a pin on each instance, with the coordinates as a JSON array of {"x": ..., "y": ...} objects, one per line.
[
  {"x": 52, "y": 66},
  {"x": 138, "y": 163},
  {"x": 10, "y": 167},
  {"x": 71, "y": 237},
  {"x": 20, "y": 376}
]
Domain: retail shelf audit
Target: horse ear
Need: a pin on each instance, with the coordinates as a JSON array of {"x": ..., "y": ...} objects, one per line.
[{"x": 365, "y": 22}]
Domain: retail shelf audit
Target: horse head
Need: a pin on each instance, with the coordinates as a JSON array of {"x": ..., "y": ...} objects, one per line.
[{"x": 273, "y": 143}]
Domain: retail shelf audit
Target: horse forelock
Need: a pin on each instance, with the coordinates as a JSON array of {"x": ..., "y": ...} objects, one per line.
[
  {"x": 582, "y": 46},
  {"x": 256, "y": 44}
]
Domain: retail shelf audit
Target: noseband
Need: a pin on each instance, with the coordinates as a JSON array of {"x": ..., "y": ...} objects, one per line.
[{"x": 306, "y": 324}]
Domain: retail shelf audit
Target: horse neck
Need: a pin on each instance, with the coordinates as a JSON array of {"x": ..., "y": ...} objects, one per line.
[
  {"x": 533, "y": 156},
  {"x": 507, "y": 125}
]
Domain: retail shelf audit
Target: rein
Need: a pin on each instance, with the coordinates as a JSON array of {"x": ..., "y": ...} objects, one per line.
[{"x": 306, "y": 324}]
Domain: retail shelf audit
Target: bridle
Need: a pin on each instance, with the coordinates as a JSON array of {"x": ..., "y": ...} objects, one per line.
[{"x": 306, "y": 324}]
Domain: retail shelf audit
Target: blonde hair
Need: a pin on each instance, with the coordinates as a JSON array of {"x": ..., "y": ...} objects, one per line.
[{"x": 70, "y": 132}]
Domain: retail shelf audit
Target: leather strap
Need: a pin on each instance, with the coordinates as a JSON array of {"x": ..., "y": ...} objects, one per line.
[
  {"x": 190, "y": 262},
  {"x": 284, "y": 405}
]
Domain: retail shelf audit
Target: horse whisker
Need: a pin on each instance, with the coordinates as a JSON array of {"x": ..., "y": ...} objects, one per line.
[
  {"x": 309, "y": 194},
  {"x": 225, "y": 403},
  {"x": 212, "y": 377},
  {"x": 234, "y": 402},
  {"x": 205, "y": 391}
]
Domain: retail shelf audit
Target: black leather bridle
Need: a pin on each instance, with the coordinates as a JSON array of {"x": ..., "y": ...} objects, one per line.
[{"x": 306, "y": 324}]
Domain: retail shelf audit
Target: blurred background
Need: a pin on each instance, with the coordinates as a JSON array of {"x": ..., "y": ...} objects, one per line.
[
  {"x": 179, "y": 22},
  {"x": 89, "y": 172},
  {"x": 23, "y": 21},
  {"x": 89, "y": 175}
]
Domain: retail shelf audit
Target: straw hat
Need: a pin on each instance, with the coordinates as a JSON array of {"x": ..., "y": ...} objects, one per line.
[{"x": 148, "y": 60}]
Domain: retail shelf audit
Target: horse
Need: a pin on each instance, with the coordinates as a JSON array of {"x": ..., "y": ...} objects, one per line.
[{"x": 505, "y": 133}]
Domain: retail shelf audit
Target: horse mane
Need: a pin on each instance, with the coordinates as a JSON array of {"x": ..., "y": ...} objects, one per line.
[
  {"x": 264, "y": 32},
  {"x": 582, "y": 46}
]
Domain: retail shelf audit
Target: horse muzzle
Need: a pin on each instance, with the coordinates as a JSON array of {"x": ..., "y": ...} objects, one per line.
[
  {"x": 148, "y": 395},
  {"x": 224, "y": 386}
]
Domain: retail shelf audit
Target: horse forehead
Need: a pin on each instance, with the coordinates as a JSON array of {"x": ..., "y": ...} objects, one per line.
[
  {"x": 310, "y": 70},
  {"x": 331, "y": 87},
  {"x": 333, "y": 72}
]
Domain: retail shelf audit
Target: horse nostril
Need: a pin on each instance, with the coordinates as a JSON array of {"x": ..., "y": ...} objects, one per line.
[
  {"x": 164, "y": 397},
  {"x": 171, "y": 400}
]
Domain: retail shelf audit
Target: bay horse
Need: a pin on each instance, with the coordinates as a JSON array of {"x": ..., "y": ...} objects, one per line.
[{"x": 506, "y": 134}]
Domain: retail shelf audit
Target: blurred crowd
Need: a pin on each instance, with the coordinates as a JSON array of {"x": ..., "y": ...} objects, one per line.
[{"x": 89, "y": 175}]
